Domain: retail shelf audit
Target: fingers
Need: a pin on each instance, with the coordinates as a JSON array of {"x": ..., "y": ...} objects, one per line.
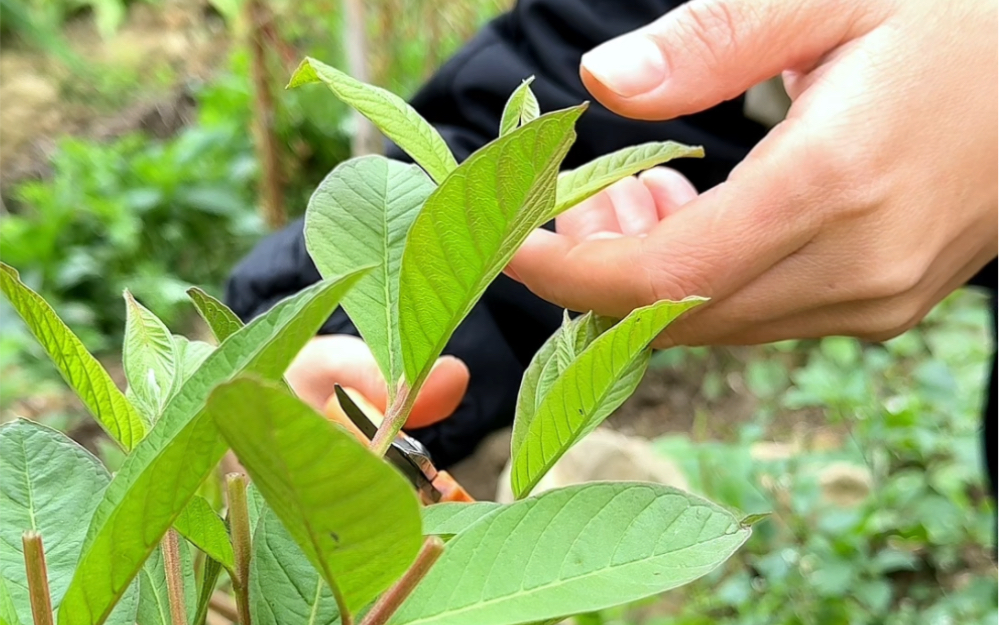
[
  {"x": 347, "y": 361},
  {"x": 589, "y": 218},
  {"x": 719, "y": 242},
  {"x": 633, "y": 205},
  {"x": 669, "y": 190},
  {"x": 708, "y": 51},
  {"x": 441, "y": 393}
]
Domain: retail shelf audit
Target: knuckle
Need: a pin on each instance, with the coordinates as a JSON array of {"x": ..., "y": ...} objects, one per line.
[
  {"x": 889, "y": 321},
  {"x": 885, "y": 280}
]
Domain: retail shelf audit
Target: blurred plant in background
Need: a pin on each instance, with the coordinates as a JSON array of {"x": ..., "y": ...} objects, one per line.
[
  {"x": 878, "y": 495},
  {"x": 157, "y": 215}
]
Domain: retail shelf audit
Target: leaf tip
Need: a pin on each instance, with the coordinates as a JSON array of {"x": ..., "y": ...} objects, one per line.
[
  {"x": 304, "y": 74},
  {"x": 752, "y": 519}
]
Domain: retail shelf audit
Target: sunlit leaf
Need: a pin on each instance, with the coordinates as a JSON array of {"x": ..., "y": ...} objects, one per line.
[
  {"x": 589, "y": 385},
  {"x": 521, "y": 108},
  {"x": 161, "y": 475},
  {"x": 220, "y": 319},
  {"x": 190, "y": 356},
  {"x": 284, "y": 586},
  {"x": 81, "y": 371},
  {"x": 469, "y": 229},
  {"x": 577, "y": 549},
  {"x": 154, "y": 601},
  {"x": 360, "y": 215},
  {"x": 200, "y": 524},
  {"x": 355, "y": 518},
  {"x": 397, "y": 120},
  {"x": 51, "y": 485},
  {"x": 578, "y": 184},
  {"x": 149, "y": 358}
]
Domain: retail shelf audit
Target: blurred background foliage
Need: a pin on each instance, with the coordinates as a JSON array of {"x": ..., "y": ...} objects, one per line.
[{"x": 128, "y": 158}]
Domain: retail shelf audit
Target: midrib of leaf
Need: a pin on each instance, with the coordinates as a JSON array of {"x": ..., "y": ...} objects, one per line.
[
  {"x": 574, "y": 436},
  {"x": 31, "y": 491},
  {"x": 164, "y": 614},
  {"x": 554, "y": 584},
  {"x": 390, "y": 336},
  {"x": 547, "y": 184},
  {"x": 315, "y": 601}
]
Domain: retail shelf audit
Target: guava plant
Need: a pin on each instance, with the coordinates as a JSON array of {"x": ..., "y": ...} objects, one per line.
[{"x": 328, "y": 532}]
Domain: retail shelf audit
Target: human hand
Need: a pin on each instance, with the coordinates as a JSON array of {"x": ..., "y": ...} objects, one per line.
[
  {"x": 873, "y": 200},
  {"x": 346, "y": 360}
]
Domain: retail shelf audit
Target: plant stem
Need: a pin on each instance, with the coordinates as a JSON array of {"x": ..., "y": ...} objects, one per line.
[
  {"x": 239, "y": 526},
  {"x": 389, "y": 602},
  {"x": 174, "y": 578},
  {"x": 38, "y": 578},
  {"x": 395, "y": 418}
]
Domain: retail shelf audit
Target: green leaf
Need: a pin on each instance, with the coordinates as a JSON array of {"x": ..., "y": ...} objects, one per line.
[
  {"x": 149, "y": 358},
  {"x": 200, "y": 524},
  {"x": 162, "y": 474},
  {"x": 220, "y": 319},
  {"x": 449, "y": 519},
  {"x": 521, "y": 108},
  {"x": 397, "y": 120},
  {"x": 190, "y": 356},
  {"x": 209, "y": 579},
  {"x": 353, "y": 515},
  {"x": 360, "y": 215},
  {"x": 469, "y": 229},
  {"x": 8, "y": 615},
  {"x": 284, "y": 586},
  {"x": 577, "y": 549},
  {"x": 48, "y": 483},
  {"x": 81, "y": 371},
  {"x": 591, "y": 385},
  {"x": 578, "y": 184},
  {"x": 154, "y": 601}
]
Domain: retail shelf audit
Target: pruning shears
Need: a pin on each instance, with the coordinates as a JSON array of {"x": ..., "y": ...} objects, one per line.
[{"x": 407, "y": 454}]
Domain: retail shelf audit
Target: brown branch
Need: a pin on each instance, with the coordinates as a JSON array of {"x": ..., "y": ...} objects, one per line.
[
  {"x": 239, "y": 527},
  {"x": 389, "y": 602},
  {"x": 38, "y": 578},
  {"x": 174, "y": 578}
]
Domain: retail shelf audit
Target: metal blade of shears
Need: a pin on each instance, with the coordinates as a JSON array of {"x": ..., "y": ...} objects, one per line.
[{"x": 406, "y": 454}]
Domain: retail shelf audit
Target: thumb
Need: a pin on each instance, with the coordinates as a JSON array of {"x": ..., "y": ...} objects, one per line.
[{"x": 709, "y": 51}]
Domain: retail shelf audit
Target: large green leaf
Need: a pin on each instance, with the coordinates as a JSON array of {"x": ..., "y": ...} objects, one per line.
[
  {"x": 284, "y": 586},
  {"x": 521, "y": 108},
  {"x": 80, "y": 370},
  {"x": 589, "y": 384},
  {"x": 162, "y": 474},
  {"x": 360, "y": 215},
  {"x": 353, "y": 515},
  {"x": 397, "y": 120},
  {"x": 451, "y": 518},
  {"x": 206, "y": 531},
  {"x": 220, "y": 319},
  {"x": 578, "y": 184},
  {"x": 469, "y": 229},
  {"x": 154, "y": 601},
  {"x": 49, "y": 484},
  {"x": 572, "y": 550},
  {"x": 149, "y": 357}
]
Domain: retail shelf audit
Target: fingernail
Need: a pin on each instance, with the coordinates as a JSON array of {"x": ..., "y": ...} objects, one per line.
[{"x": 629, "y": 66}]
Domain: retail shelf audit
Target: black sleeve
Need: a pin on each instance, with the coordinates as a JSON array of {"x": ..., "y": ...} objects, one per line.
[{"x": 464, "y": 101}]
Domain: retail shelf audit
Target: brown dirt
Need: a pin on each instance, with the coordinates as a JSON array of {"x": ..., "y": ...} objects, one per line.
[{"x": 156, "y": 52}]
